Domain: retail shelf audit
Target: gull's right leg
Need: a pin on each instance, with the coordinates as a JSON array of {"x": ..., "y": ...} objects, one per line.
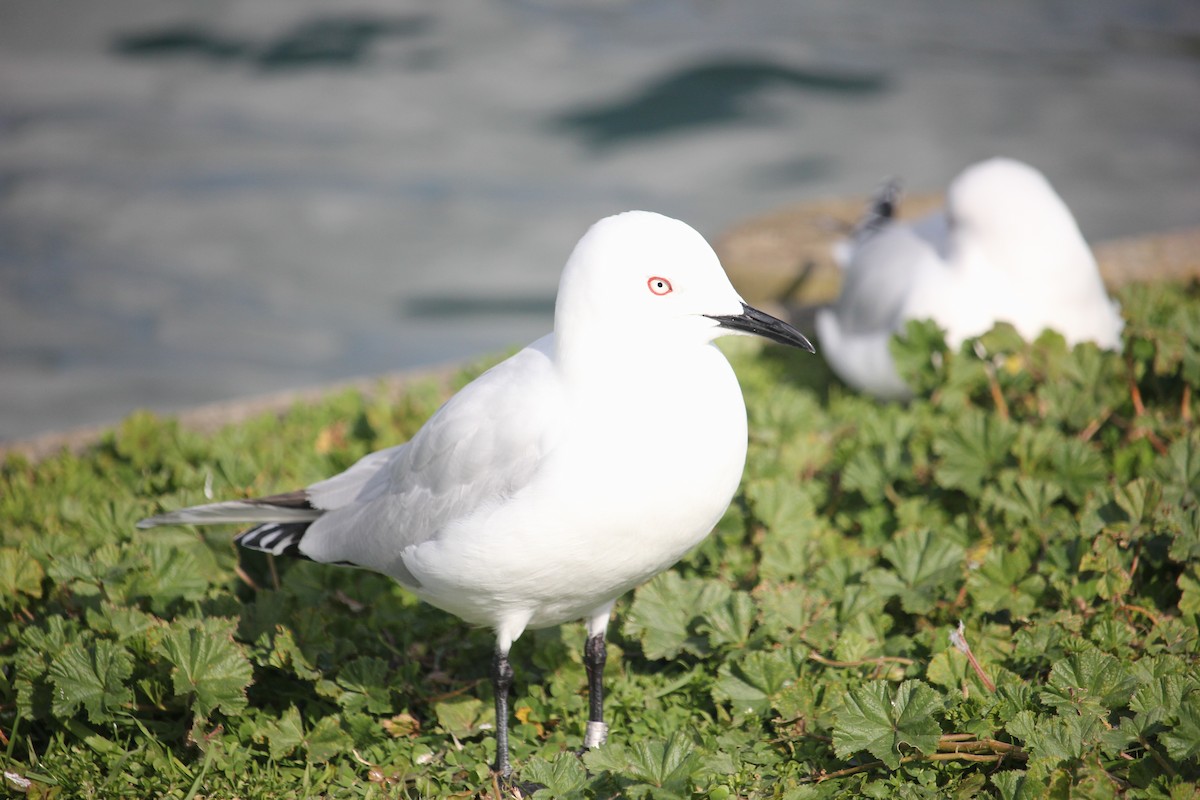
[
  {"x": 595, "y": 654},
  {"x": 502, "y": 678}
]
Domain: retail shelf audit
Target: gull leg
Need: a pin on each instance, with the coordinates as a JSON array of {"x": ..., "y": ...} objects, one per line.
[
  {"x": 595, "y": 654},
  {"x": 502, "y": 678}
]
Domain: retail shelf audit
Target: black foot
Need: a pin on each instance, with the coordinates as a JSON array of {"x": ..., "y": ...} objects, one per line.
[
  {"x": 505, "y": 786},
  {"x": 527, "y": 788}
]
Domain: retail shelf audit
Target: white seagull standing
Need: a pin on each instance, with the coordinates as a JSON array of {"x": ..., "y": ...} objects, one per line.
[
  {"x": 1004, "y": 249},
  {"x": 564, "y": 476}
]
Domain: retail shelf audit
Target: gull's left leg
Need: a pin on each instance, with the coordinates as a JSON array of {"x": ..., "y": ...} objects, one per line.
[{"x": 595, "y": 653}]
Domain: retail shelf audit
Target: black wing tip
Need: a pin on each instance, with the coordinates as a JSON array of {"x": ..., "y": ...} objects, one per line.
[
  {"x": 296, "y": 499},
  {"x": 276, "y": 538}
]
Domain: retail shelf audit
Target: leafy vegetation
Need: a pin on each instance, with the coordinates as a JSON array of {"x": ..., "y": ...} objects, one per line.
[{"x": 992, "y": 590}]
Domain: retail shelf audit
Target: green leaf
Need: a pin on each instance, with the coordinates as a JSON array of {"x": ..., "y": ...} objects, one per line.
[
  {"x": 49, "y": 641},
  {"x": 284, "y": 736},
  {"x": 366, "y": 682},
  {"x": 665, "y": 611},
  {"x": 285, "y": 654},
  {"x": 864, "y": 474},
  {"x": 1077, "y": 468},
  {"x": 918, "y": 351},
  {"x": 1058, "y": 739},
  {"x": 1185, "y": 546},
  {"x": 1179, "y": 471},
  {"x": 563, "y": 777},
  {"x": 1005, "y": 581},
  {"x": 171, "y": 573},
  {"x": 94, "y": 677},
  {"x": 1029, "y": 500},
  {"x": 463, "y": 717},
  {"x": 750, "y": 683},
  {"x": 1139, "y": 499},
  {"x": 790, "y": 554},
  {"x": 1183, "y": 741},
  {"x": 209, "y": 668},
  {"x": 883, "y": 455},
  {"x": 1156, "y": 701},
  {"x": 923, "y": 563},
  {"x": 1016, "y": 784},
  {"x": 1004, "y": 338},
  {"x": 779, "y": 505},
  {"x": 729, "y": 623},
  {"x": 1110, "y": 564},
  {"x": 1115, "y": 741},
  {"x": 793, "y": 527},
  {"x": 882, "y": 722},
  {"x": 973, "y": 450},
  {"x": 1189, "y": 588},
  {"x": 20, "y": 574},
  {"x": 86, "y": 574},
  {"x": 796, "y": 609},
  {"x": 125, "y": 622},
  {"x": 325, "y": 740},
  {"x": 667, "y": 765},
  {"x": 34, "y": 693},
  {"x": 1088, "y": 682}
]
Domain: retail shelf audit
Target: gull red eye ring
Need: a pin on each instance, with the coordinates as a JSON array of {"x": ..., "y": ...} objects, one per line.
[{"x": 659, "y": 286}]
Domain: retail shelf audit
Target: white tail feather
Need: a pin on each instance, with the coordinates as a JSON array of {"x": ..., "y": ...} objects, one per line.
[{"x": 231, "y": 511}]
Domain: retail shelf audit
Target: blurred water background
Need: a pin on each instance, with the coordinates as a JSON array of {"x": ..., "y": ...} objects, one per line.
[{"x": 210, "y": 199}]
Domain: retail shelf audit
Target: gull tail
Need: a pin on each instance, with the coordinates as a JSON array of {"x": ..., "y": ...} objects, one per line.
[
  {"x": 284, "y": 518},
  {"x": 291, "y": 507},
  {"x": 881, "y": 211}
]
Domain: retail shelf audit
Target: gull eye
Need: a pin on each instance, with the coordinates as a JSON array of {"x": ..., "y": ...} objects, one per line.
[{"x": 659, "y": 286}]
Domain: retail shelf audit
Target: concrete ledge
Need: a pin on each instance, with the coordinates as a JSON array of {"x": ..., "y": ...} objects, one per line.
[
  {"x": 214, "y": 416},
  {"x": 784, "y": 258}
]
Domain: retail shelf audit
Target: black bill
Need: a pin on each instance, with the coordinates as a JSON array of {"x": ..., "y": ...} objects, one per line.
[{"x": 760, "y": 323}]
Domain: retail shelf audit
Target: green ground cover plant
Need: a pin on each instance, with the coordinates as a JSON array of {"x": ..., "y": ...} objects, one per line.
[{"x": 990, "y": 591}]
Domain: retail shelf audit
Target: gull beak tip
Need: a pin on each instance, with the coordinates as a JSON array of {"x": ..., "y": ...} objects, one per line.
[{"x": 760, "y": 323}]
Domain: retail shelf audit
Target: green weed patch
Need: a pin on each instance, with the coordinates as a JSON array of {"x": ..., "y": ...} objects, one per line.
[{"x": 992, "y": 590}]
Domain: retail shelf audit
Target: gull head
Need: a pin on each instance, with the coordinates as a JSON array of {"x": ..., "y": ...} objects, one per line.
[
  {"x": 1009, "y": 209},
  {"x": 641, "y": 278}
]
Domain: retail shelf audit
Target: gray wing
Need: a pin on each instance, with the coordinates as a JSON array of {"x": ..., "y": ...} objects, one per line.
[
  {"x": 484, "y": 445},
  {"x": 355, "y": 484},
  {"x": 881, "y": 271}
]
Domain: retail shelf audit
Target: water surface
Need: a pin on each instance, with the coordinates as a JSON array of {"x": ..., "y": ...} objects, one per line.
[{"x": 207, "y": 200}]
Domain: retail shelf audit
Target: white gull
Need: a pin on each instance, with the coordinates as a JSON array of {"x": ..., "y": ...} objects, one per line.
[
  {"x": 1004, "y": 249},
  {"x": 564, "y": 476}
]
